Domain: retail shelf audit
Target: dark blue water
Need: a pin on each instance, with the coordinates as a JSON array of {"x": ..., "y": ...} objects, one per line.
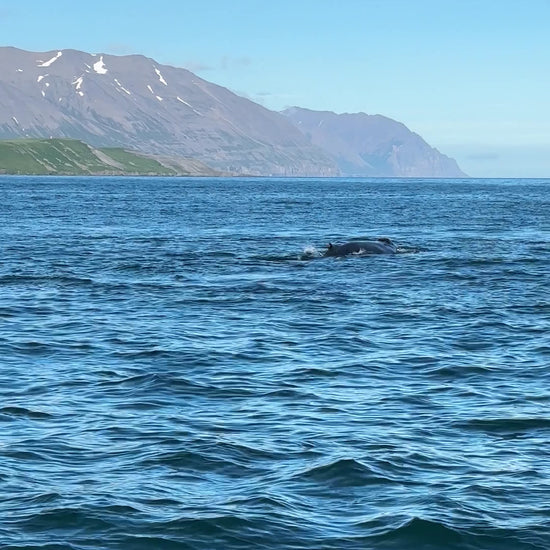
[{"x": 180, "y": 369}]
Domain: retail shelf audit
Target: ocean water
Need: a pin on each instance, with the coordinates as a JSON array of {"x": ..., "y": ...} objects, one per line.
[{"x": 180, "y": 368}]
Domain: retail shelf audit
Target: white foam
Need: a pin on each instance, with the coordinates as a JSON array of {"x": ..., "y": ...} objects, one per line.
[
  {"x": 49, "y": 62},
  {"x": 160, "y": 77},
  {"x": 99, "y": 66},
  {"x": 311, "y": 251}
]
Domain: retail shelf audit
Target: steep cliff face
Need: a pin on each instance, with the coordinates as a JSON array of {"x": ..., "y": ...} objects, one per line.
[
  {"x": 372, "y": 145},
  {"x": 134, "y": 102}
]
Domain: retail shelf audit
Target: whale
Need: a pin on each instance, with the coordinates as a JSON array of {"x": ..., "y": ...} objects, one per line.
[{"x": 382, "y": 245}]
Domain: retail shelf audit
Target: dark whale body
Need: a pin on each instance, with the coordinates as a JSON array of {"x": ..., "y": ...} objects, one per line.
[{"x": 379, "y": 246}]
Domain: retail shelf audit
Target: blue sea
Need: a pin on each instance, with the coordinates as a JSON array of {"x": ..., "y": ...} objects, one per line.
[{"x": 181, "y": 368}]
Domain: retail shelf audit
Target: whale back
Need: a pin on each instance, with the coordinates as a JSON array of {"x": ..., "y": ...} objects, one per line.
[{"x": 379, "y": 246}]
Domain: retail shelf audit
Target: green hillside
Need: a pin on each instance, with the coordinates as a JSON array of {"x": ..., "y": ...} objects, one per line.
[{"x": 73, "y": 157}]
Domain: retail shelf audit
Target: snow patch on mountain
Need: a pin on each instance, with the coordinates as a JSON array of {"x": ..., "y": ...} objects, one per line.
[
  {"x": 160, "y": 77},
  {"x": 188, "y": 105},
  {"x": 122, "y": 87},
  {"x": 99, "y": 66},
  {"x": 49, "y": 62}
]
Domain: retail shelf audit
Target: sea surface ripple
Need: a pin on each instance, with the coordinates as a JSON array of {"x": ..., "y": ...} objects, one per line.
[{"x": 180, "y": 368}]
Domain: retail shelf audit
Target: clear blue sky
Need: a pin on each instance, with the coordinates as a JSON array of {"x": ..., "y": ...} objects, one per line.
[{"x": 470, "y": 76}]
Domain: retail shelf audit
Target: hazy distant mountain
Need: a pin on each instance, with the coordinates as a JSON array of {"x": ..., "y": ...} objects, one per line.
[
  {"x": 372, "y": 145},
  {"x": 134, "y": 102}
]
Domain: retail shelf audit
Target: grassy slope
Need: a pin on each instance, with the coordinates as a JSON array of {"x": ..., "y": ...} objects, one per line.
[
  {"x": 73, "y": 157},
  {"x": 136, "y": 163}
]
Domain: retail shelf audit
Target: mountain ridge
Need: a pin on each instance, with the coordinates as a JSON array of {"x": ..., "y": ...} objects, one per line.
[
  {"x": 372, "y": 145},
  {"x": 135, "y": 103}
]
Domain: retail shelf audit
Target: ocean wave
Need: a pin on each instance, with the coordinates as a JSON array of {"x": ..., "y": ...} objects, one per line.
[
  {"x": 512, "y": 425},
  {"x": 31, "y": 280},
  {"x": 23, "y": 412},
  {"x": 434, "y": 534},
  {"x": 68, "y": 520},
  {"x": 344, "y": 472}
]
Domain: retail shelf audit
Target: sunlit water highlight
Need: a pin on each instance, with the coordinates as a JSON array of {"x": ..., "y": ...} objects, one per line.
[{"x": 180, "y": 368}]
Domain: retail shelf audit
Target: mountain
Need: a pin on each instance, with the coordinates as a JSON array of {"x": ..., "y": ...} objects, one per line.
[
  {"x": 372, "y": 145},
  {"x": 73, "y": 157},
  {"x": 135, "y": 103}
]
